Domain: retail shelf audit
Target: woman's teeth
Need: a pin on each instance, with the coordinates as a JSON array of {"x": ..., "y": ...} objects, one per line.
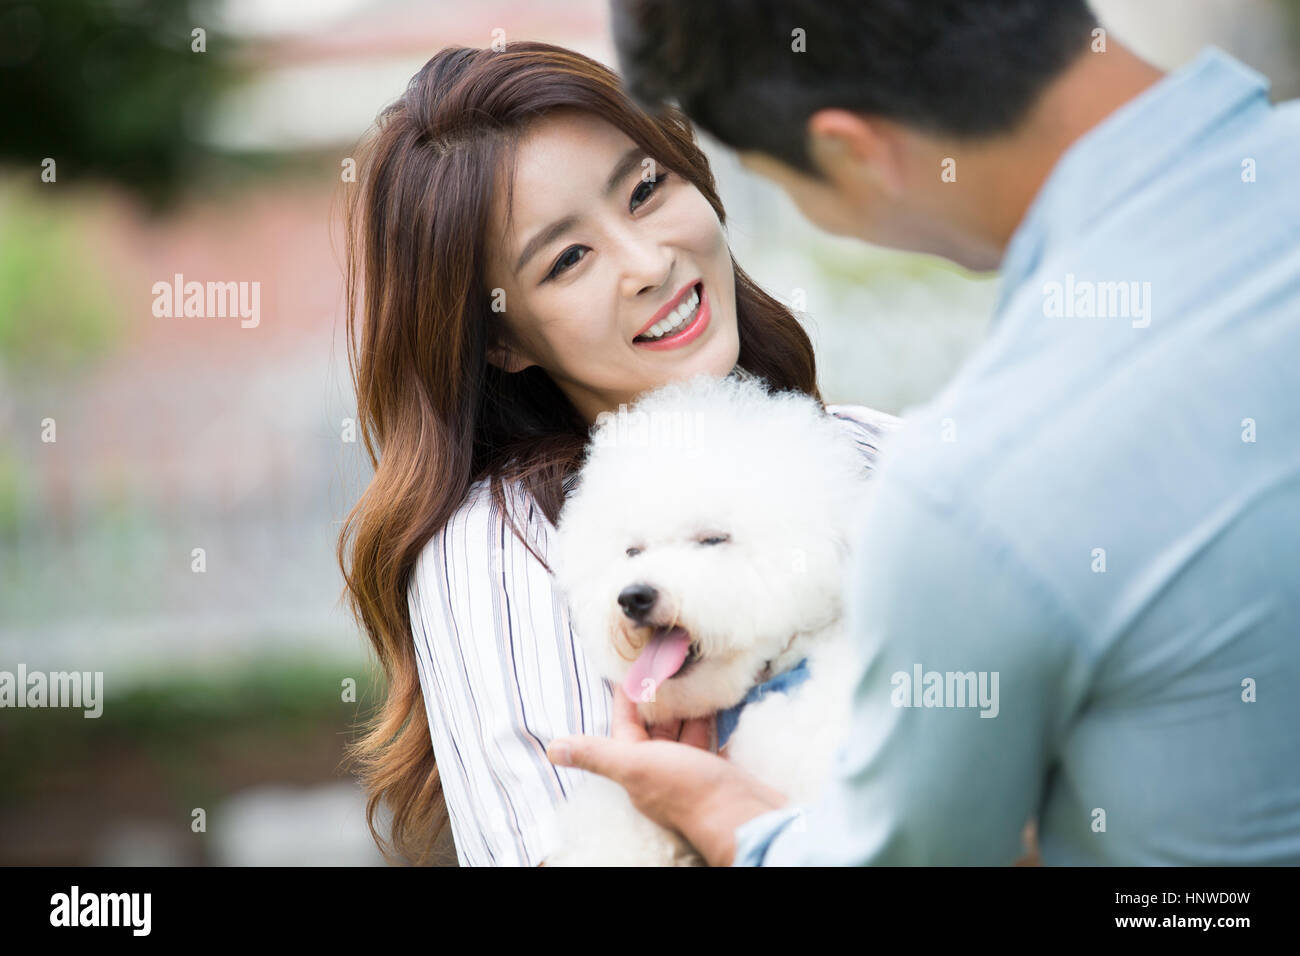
[{"x": 675, "y": 319}]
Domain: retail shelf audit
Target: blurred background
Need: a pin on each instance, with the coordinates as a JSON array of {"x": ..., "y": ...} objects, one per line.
[{"x": 225, "y": 690}]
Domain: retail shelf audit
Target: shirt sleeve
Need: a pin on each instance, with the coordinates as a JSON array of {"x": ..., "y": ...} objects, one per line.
[
  {"x": 923, "y": 777},
  {"x": 501, "y": 676},
  {"x": 869, "y": 428}
]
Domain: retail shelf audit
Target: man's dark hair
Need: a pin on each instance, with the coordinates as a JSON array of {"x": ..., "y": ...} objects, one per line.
[{"x": 961, "y": 67}]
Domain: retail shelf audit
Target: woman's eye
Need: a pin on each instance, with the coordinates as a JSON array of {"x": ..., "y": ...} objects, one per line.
[
  {"x": 645, "y": 189},
  {"x": 571, "y": 257},
  {"x": 565, "y": 261},
  {"x": 633, "y": 552},
  {"x": 715, "y": 539}
]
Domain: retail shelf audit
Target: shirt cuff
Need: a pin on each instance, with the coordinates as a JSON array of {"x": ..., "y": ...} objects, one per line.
[{"x": 754, "y": 836}]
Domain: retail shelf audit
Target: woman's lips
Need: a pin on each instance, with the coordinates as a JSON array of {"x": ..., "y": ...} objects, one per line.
[{"x": 687, "y": 333}]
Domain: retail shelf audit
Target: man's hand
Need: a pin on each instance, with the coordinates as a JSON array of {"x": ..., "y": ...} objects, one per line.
[{"x": 673, "y": 778}]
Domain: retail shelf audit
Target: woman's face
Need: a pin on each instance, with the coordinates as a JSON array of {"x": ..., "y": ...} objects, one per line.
[{"x": 602, "y": 245}]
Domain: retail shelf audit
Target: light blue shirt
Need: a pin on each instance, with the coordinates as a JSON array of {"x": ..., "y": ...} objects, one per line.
[{"x": 1101, "y": 512}]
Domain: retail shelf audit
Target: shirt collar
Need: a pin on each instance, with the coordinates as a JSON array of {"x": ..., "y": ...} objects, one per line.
[{"x": 1136, "y": 142}]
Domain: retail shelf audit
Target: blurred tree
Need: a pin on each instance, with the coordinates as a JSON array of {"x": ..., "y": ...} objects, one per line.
[
  {"x": 1292, "y": 10},
  {"x": 58, "y": 307},
  {"x": 109, "y": 89}
]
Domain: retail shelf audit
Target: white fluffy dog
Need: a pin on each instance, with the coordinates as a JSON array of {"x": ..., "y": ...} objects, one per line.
[{"x": 702, "y": 555}]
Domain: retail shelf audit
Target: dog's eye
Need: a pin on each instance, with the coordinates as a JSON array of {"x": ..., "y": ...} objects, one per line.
[
  {"x": 633, "y": 552},
  {"x": 715, "y": 539}
]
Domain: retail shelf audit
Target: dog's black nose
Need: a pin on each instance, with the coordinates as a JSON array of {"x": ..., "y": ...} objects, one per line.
[{"x": 637, "y": 600}]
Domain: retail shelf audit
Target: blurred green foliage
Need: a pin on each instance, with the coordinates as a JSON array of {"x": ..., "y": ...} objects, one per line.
[
  {"x": 11, "y": 496},
  {"x": 58, "y": 307},
  {"x": 109, "y": 89},
  {"x": 1291, "y": 11},
  {"x": 177, "y": 721},
  {"x": 1292, "y": 8}
]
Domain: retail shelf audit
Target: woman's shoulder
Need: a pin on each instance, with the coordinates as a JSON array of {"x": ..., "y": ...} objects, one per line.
[
  {"x": 477, "y": 554},
  {"x": 480, "y": 526},
  {"x": 868, "y": 427}
]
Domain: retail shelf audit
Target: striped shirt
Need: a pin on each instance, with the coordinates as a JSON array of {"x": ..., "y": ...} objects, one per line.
[{"x": 502, "y": 673}]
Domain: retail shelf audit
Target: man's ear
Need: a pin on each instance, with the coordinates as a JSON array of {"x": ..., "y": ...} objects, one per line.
[{"x": 851, "y": 149}]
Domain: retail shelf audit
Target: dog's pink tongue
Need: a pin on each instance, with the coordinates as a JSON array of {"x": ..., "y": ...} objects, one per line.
[{"x": 659, "y": 660}]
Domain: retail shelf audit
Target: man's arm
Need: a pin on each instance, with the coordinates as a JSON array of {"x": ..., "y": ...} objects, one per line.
[{"x": 918, "y": 779}]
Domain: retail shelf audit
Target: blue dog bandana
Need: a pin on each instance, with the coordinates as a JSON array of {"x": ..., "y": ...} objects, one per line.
[{"x": 781, "y": 683}]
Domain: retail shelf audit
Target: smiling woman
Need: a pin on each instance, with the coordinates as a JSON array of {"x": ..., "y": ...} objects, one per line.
[
  {"x": 624, "y": 281},
  {"x": 525, "y": 178}
]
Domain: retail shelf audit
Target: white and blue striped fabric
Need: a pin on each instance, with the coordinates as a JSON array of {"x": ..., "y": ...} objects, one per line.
[{"x": 502, "y": 673}]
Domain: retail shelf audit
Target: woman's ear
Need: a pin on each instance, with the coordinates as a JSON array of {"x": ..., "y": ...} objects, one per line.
[{"x": 507, "y": 359}]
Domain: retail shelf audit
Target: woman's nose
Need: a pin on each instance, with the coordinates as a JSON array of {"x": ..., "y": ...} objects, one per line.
[{"x": 647, "y": 268}]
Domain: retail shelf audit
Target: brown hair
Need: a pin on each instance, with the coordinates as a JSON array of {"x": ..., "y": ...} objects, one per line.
[{"x": 434, "y": 414}]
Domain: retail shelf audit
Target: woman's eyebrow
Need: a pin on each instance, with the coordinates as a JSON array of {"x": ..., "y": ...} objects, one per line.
[
  {"x": 628, "y": 162},
  {"x": 544, "y": 238}
]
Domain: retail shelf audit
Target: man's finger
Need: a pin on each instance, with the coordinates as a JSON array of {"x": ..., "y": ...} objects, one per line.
[
  {"x": 625, "y": 721},
  {"x": 698, "y": 732},
  {"x": 669, "y": 731},
  {"x": 602, "y": 755}
]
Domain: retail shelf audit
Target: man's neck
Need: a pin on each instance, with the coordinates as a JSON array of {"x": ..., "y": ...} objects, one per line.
[{"x": 1011, "y": 170}]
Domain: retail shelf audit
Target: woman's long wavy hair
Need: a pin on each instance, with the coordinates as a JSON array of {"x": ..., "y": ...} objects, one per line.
[{"x": 434, "y": 414}]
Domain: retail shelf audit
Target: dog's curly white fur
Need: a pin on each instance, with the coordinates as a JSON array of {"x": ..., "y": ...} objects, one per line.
[{"x": 729, "y": 512}]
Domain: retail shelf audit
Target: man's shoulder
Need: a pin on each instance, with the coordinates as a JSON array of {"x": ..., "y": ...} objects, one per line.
[
  {"x": 947, "y": 441},
  {"x": 993, "y": 475}
]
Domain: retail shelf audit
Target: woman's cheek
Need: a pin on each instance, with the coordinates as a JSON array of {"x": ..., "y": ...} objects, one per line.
[
  {"x": 703, "y": 223},
  {"x": 582, "y": 326}
]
